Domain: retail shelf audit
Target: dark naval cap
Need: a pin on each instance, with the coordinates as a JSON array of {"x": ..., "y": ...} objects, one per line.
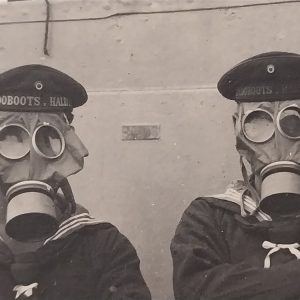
[
  {"x": 272, "y": 76},
  {"x": 39, "y": 88}
]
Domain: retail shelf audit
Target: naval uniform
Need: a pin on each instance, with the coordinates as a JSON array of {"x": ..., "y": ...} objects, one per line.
[
  {"x": 84, "y": 260},
  {"x": 218, "y": 254}
]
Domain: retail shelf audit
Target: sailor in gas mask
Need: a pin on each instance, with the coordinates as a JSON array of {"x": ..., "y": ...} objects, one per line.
[
  {"x": 244, "y": 244},
  {"x": 75, "y": 256}
]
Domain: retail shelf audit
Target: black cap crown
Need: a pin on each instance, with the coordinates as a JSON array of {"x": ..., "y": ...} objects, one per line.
[
  {"x": 39, "y": 88},
  {"x": 272, "y": 76}
]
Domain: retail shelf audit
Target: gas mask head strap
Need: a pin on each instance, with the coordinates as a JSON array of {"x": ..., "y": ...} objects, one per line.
[
  {"x": 250, "y": 188},
  {"x": 63, "y": 183}
]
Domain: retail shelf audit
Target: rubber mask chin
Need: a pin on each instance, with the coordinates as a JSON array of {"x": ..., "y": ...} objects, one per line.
[
  {"x": 268, "y": 138},
  {"x": 38, "y": 152}
]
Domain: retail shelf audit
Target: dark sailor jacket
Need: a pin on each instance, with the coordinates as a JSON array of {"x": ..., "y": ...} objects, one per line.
[
  {"x": 220, "y": 254},
  {"x": 84, "y": 260}
]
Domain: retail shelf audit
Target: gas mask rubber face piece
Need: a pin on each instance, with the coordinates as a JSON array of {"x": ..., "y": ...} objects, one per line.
[
  {"x": 38, "y": 151},
  {"x": 268, "y": 137}
]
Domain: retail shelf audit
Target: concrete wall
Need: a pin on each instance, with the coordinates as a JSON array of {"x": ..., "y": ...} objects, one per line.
[{"x": 149, "y": 62}]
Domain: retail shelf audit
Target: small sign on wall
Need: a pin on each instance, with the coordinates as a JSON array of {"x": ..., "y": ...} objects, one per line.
[{"x": 141, "y": 132}]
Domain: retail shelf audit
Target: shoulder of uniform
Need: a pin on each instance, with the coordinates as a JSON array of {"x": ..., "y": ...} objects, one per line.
[{"x": 212, "y": 203}]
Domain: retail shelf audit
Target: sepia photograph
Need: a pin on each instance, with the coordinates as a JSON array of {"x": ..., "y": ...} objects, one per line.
[{"x": 149, "y": 149}]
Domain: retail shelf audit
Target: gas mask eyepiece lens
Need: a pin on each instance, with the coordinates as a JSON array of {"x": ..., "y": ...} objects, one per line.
[
  {"x": 258, "y": 126},
  {"x": 288, "y": 122},
  {"x": 48, "y": 141},
  {"x": 14, "y": 141}
]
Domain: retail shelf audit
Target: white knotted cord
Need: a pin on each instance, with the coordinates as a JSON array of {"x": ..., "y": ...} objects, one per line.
[
  {"x": 26, "y": 290},
  {"x": 276, "y": 247}
]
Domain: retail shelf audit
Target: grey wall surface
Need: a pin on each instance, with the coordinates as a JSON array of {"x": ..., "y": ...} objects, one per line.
[{"x": 159, "y": 64}]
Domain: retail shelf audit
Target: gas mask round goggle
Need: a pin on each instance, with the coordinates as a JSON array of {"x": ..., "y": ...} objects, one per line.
[
  {"x": 259, "y": 125},
  {"x": 268, "y": 136},
  {"x": 46, "y": 140}
]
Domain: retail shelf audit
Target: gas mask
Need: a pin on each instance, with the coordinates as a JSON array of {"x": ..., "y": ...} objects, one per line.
[
  {"x": 268, "y": 137},
  {"x": 38, "y": 151}
]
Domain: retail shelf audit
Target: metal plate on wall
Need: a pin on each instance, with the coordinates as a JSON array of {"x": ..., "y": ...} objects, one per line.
[{"x": 141, "y": 132}]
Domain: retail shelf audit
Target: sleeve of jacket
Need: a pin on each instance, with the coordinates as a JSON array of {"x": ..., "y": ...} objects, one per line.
[
  {"x": 6, "y": 283},
  {"x": 202, "y": 268},
  {"x": 6, "y": 280},
  {"x": 121, "y": 277}
]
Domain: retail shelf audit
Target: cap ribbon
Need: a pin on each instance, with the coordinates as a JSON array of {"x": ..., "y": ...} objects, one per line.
[{"x": 276, "y": 247}]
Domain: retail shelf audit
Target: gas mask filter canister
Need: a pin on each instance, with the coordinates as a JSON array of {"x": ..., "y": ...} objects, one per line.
[
  {"x": 280, "y": 188},
  {"x": 31, "y": 213}
]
